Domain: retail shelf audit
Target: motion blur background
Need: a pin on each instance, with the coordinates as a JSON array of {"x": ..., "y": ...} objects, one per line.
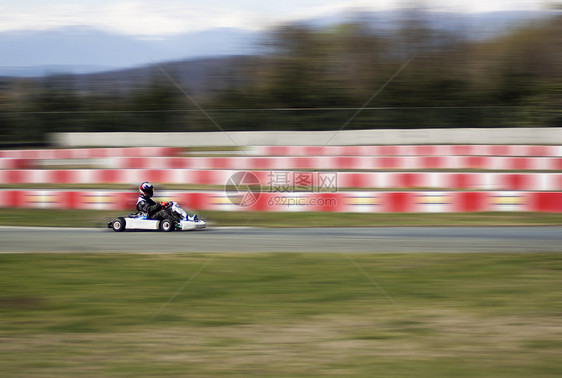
[
  {"x": 369, "y": 302},
  {"x": 308, "y": 65}
]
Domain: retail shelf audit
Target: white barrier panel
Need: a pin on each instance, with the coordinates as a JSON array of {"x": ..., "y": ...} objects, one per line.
[
  {"x": 88, "y": 153},
  {"x": 315, "y": 138}
]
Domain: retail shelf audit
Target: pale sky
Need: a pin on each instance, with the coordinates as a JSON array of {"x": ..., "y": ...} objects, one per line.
[{"x": 151, "y": 18}]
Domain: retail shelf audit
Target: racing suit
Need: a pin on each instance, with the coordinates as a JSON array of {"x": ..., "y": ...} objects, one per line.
[{"x": 153, "y": 209}]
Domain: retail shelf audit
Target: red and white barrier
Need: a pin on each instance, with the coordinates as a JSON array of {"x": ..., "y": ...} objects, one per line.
[
  {"x": 14, "y": 163},
  {"x": 451, "y": 180},
  {"x": 417, "y": 150},
  {"x": 366, "y": 202},
  {"x": 342, "y": 163},
  {"x": 270, "y": 179},
  {"x": 89, "y": 153}
]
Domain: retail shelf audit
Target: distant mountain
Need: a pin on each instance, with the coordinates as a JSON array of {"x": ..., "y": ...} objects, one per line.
[
  {"x": 79, "y": 50},
  {"x": 196, "y": 76},
  {"x": 54, "y": 69}
]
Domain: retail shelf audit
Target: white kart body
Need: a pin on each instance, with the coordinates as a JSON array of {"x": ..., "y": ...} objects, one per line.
[
  {"x": 140, "y": 222},
  {"x": 150, "y": 224}
]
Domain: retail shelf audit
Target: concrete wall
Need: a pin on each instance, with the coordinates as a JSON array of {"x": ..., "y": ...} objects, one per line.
[{"x": 313, "y": 138}]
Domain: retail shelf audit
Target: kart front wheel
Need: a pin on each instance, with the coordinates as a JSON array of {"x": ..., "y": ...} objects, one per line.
[
  {"x": 118, "y": 224},
  {"x": 166, "y": 225}
]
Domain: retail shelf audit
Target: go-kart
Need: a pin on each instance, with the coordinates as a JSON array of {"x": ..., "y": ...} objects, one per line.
[{"x": 178, "y": 220}]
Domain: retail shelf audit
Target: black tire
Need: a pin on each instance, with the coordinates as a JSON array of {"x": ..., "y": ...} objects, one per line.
[
  {"x": 167, "y": 225},
  {"x": 118, "y": 224}
]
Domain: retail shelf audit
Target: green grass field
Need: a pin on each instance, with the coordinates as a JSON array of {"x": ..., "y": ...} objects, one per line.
[
  {"x": 94, "y": 218},
  {"x": 281, "y": 315}
]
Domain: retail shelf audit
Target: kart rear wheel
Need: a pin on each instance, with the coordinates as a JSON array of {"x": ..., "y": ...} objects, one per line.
[
  {"x": 118, "y": 224},
  {"x": 166, "y": 225}
]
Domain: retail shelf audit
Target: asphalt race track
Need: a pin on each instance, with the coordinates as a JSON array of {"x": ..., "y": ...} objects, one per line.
[{"x": 342, "y": 240}]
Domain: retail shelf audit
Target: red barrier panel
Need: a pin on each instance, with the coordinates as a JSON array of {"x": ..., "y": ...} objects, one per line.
[
  {"x": 14, "y": 163},
  {"x": 469, "y": 202},
  {"x": 398, "y": 202},
  {"x": 546, "y": 202}
]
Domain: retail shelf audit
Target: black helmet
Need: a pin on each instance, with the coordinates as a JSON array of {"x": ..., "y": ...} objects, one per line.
[{"x": 146, "y": 189}]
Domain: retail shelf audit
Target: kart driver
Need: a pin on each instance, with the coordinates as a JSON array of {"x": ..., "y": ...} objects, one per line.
[{"x": 154, "y": 210}]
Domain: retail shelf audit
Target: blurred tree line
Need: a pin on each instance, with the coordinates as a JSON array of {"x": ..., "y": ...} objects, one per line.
[{"x": 320, "y": 79}]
